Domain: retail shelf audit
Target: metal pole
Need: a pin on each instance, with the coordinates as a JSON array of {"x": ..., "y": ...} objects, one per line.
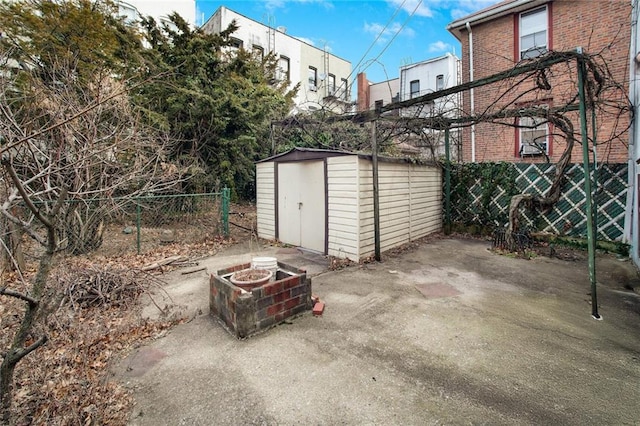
[
  {"x": 273, "y": 139},
  {"x": 226, "y": 195},
  {"x": 138, "y": 214},
  {"x": 447, "y": 183},
  {"x": 376, "y": 194},
  {"x": 595, "y": 179},
  {"x": 587, "y": 187}
]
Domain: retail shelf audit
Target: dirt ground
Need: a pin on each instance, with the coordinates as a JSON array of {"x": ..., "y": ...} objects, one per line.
[{"x": 444, "y": 332}]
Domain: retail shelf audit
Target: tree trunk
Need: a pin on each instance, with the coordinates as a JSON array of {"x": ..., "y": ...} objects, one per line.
[
  {"x": 546, "y": 202},
  {"x": 17, "y": 351},
  {"x": 13, "y": 257}
]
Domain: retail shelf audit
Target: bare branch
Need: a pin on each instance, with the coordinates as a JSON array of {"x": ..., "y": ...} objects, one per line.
[
  {"x": 23, "y": 193},
  {"x": 21, "y": 353},
  {"x": 78, "y": 114},
  {"x": 7, "y": 292}
]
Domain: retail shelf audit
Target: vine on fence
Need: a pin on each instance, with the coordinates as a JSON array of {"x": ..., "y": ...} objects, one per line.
[{"x": 475, "y": 190}]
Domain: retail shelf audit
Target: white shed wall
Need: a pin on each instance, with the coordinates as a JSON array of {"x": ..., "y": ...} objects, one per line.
[
  {"x": 343, "y": 205},
  {"x": 410, "y": 204},
  {"x": 265, "y": 200},
  {"x": 426, "y": 201}
]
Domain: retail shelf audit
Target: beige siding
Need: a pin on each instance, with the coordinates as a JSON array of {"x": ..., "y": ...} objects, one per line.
[
  {"x": 410, "y": 204},
  {"x": 426, "y": 201},
  {"x": 342, "y": 183},
  {"x": 265, "y": 200}
]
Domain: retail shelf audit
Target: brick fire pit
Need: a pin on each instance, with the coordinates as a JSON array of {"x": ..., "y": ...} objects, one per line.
[{"x": 247, "y": 312}]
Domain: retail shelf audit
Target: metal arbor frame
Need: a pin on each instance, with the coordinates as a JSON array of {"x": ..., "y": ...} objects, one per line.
[
  {"x": 444, "y": 123},
  {"x": 447, "y": 123}
]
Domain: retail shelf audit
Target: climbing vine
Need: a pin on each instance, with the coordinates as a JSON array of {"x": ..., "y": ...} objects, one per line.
[{"x": 478, "y": 189}]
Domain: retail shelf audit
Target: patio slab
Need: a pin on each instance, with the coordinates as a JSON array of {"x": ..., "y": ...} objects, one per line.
[{"x": 496, "y": 340}]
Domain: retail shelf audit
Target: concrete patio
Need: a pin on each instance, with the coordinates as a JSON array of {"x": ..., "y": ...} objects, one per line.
[{"x": 447, "y": 332}]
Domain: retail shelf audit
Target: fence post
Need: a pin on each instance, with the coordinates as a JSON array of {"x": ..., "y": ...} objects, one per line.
[
  {"x": 447, "y": 183},
  {"x": 226, "y": 194},
  {"x": 376, "y": 192},
  {"x": 587, "y": 184},
  {"x": 138, "y": 214}
]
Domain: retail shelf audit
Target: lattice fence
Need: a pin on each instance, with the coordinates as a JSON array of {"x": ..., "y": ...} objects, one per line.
[{"x": 481, "y": 194}]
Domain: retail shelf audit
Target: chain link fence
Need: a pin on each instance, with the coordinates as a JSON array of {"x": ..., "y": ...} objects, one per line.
[
  {"x": 183, "y": 218},
  {"x": 118, "y": 226}
]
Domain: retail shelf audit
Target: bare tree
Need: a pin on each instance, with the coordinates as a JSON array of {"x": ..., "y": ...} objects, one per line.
[{"x": 70, "y": 153}]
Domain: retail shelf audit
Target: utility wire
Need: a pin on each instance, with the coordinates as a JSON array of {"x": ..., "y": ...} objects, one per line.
[
  {"x": 377, "y": 38},
  {"x": 404, "y": 24}
]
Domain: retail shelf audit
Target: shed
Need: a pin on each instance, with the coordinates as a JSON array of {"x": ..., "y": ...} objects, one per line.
[{"x": 322, "y": 200}]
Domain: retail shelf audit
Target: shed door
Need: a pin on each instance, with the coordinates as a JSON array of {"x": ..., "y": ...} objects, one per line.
[{"x": 301, "y": 204}]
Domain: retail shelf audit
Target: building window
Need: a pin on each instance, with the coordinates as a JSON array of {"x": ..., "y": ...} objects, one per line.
[
  {"x": 534, "y": 136},
  {"x": 415, "y": 88},
  {"x": 258, "y": 51},
  {"x": 439, "y": 82},
  {"x": 331, "y": 85},
  {"x": 313, "y": 78},
  {"x": 283, "y": 69},
  {"x": 235, "y": 43},
  {"x": 167, "y": 23},
  {"x": 344, "y": 89},
  {"x": 128, "y": 12},
  {"x": 533, "y": 33},
  {"x": 378, "y": 105}
]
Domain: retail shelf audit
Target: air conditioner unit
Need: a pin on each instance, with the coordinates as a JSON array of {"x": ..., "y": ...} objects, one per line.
[
  {"x": 313, "y": 88},
  {"x": 528, "y": 148}
]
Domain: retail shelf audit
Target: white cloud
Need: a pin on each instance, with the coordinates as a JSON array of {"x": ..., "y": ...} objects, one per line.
[
  {"x": 461, "y": 8},
  {"x": 388, "y": 32},
  {"x": 374, "y": 28},
  {"x": 279, "y": 4},
  {"x": 458, "y": 13},
  {"x": 416, "y": 7},
  {"x": 274, "y": 4},
  {"x": 439, "y": 46}
]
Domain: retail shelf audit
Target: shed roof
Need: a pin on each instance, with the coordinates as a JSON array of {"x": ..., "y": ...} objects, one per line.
[{"x": 305, "y": 154}]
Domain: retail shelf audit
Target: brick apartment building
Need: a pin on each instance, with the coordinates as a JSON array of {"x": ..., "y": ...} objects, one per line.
[{"x": 515, "y": 31}]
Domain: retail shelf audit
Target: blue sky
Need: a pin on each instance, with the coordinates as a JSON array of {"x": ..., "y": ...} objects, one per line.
[{"x": 377, "y": 37}]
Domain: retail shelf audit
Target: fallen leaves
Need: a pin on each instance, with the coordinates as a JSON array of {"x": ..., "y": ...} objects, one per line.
[{"x": 94, "y": 321}]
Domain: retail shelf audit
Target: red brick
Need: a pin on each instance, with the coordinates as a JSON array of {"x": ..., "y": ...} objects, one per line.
[
  {"x": 292, "y": 302},
  {"x": 274, "y": 309},
  {"x": 291, "y": 282},
  {"x": 604, "y": 30},
  {"x": 281, "y": 297},
  {"x": 318, "y": 308},
  {"x": 234, "y": 268},
  {"x": 273, "y": 288}
]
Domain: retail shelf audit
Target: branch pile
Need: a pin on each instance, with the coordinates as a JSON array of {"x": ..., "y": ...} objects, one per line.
[
  {"x": 67, "y": 380},
  {"x": 97, "y": 285}
]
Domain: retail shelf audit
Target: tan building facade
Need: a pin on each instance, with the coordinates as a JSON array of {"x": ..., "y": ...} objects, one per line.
[{"x": 322, "y": 77}]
